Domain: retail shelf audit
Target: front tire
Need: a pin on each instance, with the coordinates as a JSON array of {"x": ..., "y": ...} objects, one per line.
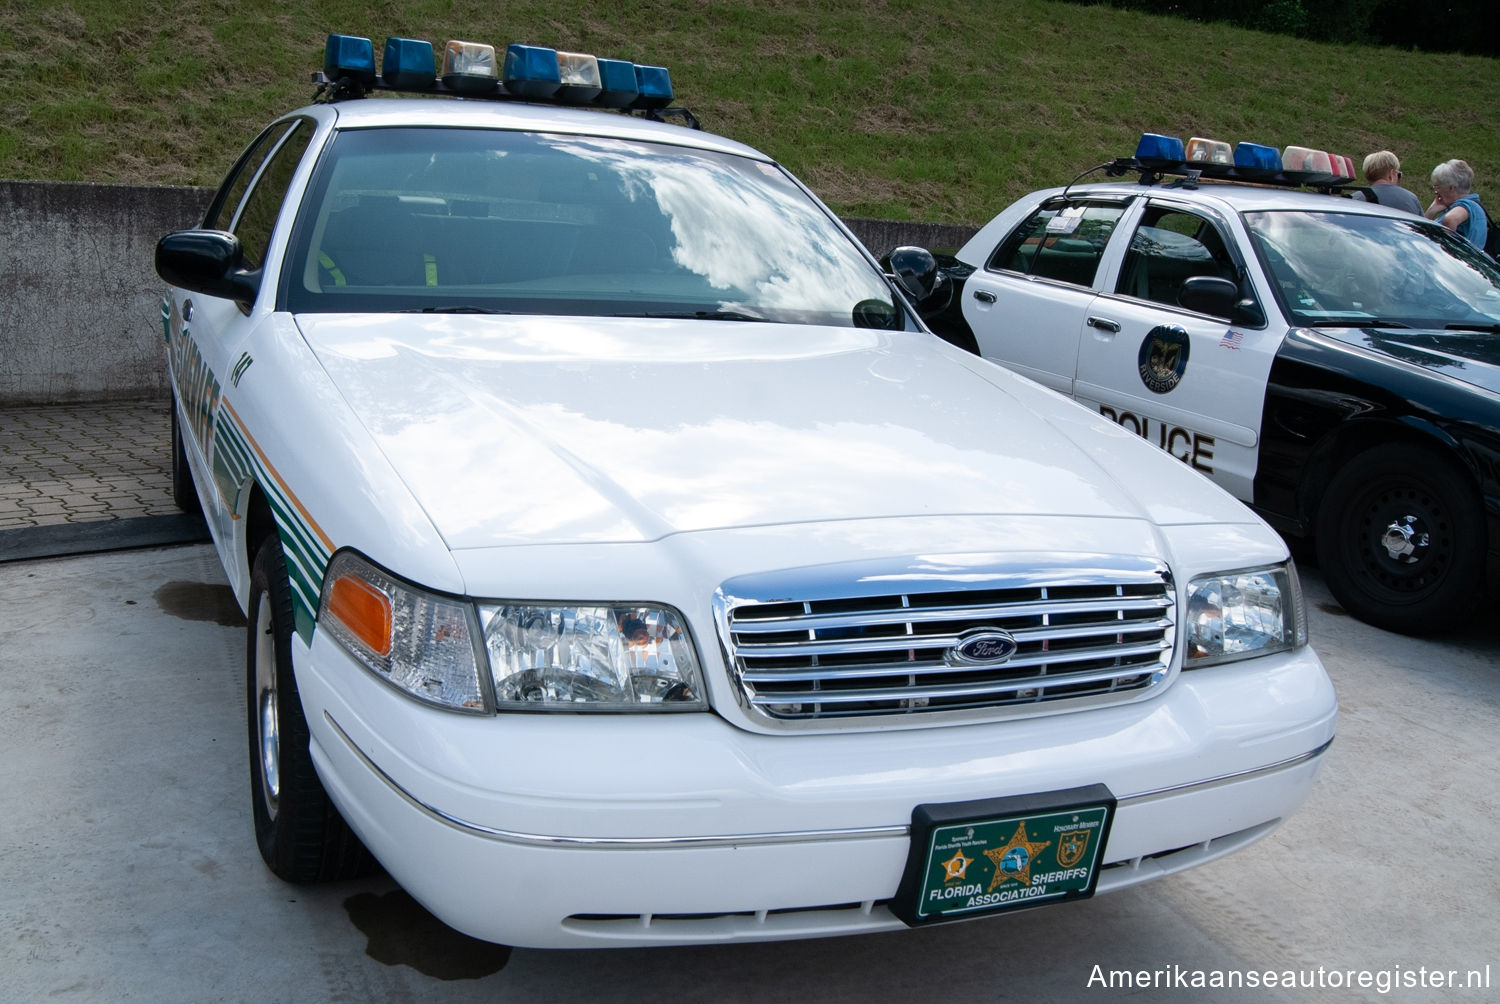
[
  {"x": 1401, "y": 541},
  {"x": 299, "y": 832},
  {"x": 184, "y": 493}
]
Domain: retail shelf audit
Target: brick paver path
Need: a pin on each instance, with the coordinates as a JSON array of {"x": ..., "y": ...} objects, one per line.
[{"x": 85, "y": 462}]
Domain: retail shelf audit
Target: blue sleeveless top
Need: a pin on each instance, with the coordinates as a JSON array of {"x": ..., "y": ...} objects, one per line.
[{"x": 1476, "y": 227}]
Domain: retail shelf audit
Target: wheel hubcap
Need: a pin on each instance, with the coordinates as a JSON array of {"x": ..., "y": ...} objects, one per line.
[
  {"x": 265, "y": 703},
  {"x": 1404, "y": 539}
]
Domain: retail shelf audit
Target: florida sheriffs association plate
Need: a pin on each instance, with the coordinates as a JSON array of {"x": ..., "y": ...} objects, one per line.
[{"x": 987, "y": 856}]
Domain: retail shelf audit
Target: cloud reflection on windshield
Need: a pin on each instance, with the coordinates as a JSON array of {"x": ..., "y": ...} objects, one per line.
[{"x": 743, "y": 226}]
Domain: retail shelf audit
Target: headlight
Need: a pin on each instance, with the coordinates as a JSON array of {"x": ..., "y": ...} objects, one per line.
[
  {"x": 417, "y": 641},
  {"x": 1240, "y": 615},
  {"x": 619, "y": 657}
]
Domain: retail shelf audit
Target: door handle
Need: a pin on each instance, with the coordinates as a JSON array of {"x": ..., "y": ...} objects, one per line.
[
  {"x": 984, "y": 296},
  {"x": 1103, "y": 324}
]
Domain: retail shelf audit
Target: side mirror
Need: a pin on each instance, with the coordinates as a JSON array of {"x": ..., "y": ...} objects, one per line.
[
  {"x": 1209, "y": 294},
  {"x": 916, "y": 272},
  {"x": 209, "y": 262}
]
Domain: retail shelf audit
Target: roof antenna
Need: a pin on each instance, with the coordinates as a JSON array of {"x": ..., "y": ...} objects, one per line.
[{"x": 1076, "y": 180}]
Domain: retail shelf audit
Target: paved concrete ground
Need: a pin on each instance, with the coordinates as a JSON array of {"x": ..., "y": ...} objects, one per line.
[{"x": 128, "y": 870}]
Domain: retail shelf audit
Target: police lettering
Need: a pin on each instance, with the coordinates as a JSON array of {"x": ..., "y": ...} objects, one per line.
[{"x": 1192, "y": 448}]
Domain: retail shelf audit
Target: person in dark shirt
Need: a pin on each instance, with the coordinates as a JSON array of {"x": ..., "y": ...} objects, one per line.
[{"x": 1383, "y": 175}]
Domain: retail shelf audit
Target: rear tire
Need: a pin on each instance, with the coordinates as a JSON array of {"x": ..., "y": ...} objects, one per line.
[
  {"x": 184, "y": 493},
  {"x": 1401, "y": 541},
  {"x": 299, "y": 832}
]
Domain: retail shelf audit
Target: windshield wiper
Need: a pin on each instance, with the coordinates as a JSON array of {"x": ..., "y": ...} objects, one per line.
[
  {"x": 1357, "y": 321},
  {"x": 698, "y": 315},
  {"x": 456, "y": 309},
  {"x": 1475, "y": 326}
]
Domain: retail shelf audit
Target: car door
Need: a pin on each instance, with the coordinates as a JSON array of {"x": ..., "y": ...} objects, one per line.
[
  {"x": 207, "y": 334},
  {"x": 1191, "y": 383},
  {"x": 1028, "y": 305}
]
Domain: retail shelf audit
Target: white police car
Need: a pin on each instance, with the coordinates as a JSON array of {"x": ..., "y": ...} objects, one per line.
[
  {"x": 627, "y": 566},
  {"x": 1334, "y": 363}
]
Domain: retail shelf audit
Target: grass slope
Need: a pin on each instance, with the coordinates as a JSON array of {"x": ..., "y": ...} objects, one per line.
[{"x": 887, "y": 108}]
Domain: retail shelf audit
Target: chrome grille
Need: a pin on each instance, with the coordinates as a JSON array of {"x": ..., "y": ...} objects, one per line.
[{"x": 1100, "y": 633}]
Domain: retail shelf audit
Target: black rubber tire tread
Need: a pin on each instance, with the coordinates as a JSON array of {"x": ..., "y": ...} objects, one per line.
[
  {"x": 307, "y": 841},
  {"x": 1368, "y": 491},
  {"x": 184, "y": 493}
]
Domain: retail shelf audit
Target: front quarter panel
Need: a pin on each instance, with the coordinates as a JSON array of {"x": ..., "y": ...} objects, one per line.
[
  {"x": 285, "y": 428},
  {"x": 1327, "y": 400}
]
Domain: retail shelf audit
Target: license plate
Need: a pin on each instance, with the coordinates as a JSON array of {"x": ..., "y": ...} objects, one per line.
[{"x": 992, "y": 855}]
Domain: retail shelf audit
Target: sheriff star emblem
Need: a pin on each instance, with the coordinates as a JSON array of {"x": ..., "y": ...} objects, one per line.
[
  {"x": 1071, "y": 847},
  {"x": 1013, "y": 861},
  {"x": 954, "y": 867}
]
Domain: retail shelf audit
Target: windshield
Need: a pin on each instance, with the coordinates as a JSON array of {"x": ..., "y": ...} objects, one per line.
[
  {"x": 1346, "y": 269},
  {"x": 441, "y": 219}
]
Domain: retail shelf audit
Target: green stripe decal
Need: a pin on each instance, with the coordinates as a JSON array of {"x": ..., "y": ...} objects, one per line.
[{"x": 306, "y": 554}]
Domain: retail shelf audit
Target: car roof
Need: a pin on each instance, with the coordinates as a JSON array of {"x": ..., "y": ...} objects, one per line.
[
  {"x": 385, "y": 112},
  {"x": 1234, "y": 196}
]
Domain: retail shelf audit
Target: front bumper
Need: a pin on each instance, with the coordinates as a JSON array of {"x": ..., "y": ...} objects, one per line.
[{"x": 629, "y": 830}]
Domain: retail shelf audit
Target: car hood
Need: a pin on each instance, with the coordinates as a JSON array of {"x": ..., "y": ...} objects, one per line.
[
  {"x": 1472, "y": 357},
  {"x": 532, "y": 430}
]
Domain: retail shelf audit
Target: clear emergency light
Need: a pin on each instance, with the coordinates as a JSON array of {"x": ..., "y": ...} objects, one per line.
[{"x": 475, "y": 69}]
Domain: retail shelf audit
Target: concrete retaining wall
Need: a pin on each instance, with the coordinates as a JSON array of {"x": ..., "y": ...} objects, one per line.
[{"x": 80, "y": 304}]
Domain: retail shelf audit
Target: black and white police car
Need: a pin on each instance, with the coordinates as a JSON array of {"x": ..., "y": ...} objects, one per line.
[
  {"x": 1334, "y": 363},
  {"x": 625, "y": 564}
]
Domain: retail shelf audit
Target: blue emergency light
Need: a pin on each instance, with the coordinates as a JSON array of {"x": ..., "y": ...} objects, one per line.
[
  {"x": 408, "y": 64},
  {"x": 655, "y": 85},
  {"x": 531, "y": 71},
  {"x": 350, "y": 56},
  {"x": 617, "y": 84},
  {"x": 1256, "y": 157},
  {"x": 1156, "y": 150}
]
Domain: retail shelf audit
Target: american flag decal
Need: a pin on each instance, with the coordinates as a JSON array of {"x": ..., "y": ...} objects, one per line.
[{"x": 1231, "y": 339}]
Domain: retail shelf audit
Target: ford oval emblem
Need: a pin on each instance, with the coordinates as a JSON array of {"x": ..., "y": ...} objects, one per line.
[{"x": 985, "y": 647}]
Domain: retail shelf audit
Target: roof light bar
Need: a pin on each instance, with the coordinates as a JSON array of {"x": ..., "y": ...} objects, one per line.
[
  {"x": 472, "y": 69},
  {"x": 1210, "y": 158}
]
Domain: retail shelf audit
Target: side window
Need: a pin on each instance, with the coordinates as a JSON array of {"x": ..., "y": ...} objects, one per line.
[
  {"x": 1168, "y": 248},
  {"x": 1061, "y": 241},
  {"x": 257, "y": 214},
  {"x": 221, "y": 211}
]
